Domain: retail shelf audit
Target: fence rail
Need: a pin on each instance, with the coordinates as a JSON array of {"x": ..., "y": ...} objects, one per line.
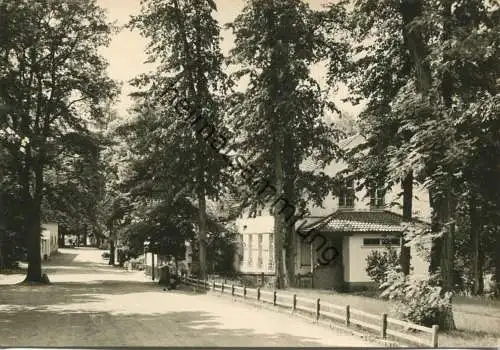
[{"x": 382, "y": 324}]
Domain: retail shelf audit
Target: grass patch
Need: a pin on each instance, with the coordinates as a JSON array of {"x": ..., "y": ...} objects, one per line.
[
  {"x": 14, "y": 271},
  {"x": 477, "y": 319}
]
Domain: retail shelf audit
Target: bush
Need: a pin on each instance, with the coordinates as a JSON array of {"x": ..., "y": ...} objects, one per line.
[
  {"x": 378, "y": 263},
  {"x": 105, "y": 255},
  {"x": 419, "y": 301}
]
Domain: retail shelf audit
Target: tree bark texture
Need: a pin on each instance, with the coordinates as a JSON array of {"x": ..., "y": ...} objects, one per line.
[
  {"x": 405, "y": 254},
  {"x": 477, "y": 254}
]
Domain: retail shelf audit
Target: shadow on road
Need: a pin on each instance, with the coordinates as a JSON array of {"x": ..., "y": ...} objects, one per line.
[
  {"x": 121, "y": 313},
  {"x": 90, "y": 303}
]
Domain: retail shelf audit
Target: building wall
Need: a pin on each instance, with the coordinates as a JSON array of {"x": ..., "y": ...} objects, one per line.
[
  {"x": 257, "y": 242},
  {"x": 421, "y": 207},
  {"x": 355, "y": 270},
  {"x": 353, "y": 254},
  {"x": 50, "y": 239}
]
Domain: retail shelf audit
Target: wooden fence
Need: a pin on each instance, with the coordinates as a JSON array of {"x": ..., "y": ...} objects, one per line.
[{"x": 320, "y": 310}]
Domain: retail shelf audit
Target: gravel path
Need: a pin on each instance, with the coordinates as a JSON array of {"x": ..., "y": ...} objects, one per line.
[{"x": 92, "y": 304}]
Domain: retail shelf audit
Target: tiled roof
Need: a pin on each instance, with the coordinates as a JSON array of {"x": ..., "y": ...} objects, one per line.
[
  {"x": 363, "y": 221},
  {"x": 375, "y": 217},
  {"x": 355, "y": 226}
]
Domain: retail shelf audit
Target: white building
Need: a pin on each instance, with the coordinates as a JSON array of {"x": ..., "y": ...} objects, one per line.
[
  {"x": 353, "y": 222},
  {"x": 50, "y": 240}
]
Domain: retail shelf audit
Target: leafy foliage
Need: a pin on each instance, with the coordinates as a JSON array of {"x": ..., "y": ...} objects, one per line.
[
  {"x": 279, "y": 119},
  {"x": 417, "y": 300},
  {"x": 53, "y": 83},
  {"x": 177, "y": 102},
  {"x": 378, "y": 263}
]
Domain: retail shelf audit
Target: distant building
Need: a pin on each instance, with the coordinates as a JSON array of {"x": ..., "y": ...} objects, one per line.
[{"x": 49, "y": 240}]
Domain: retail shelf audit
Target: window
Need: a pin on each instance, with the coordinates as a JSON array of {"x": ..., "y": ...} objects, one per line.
[
  {"x": 390, "y": 241},
  {"x": 305, "y": 254},
  {"x": 371, "y": 241},
  {"x": 377, "y": 198},
  {"x": 381, "y": 242},
  {"x": 271, "y": 252},
  {"x": 259, "y": 252},
  {"x": 347, "y": 195},
  {"x": 250, "y": 251}
]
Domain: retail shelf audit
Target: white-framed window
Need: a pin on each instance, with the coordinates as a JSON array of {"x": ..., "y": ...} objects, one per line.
[
  {"x": 377, "y": 197},
  {"x": 250, "y": 251},
  {"x": 270, "y": 265},
  {"x": 347, "y": 195},
  {"x": 259, "y": 252},
  {"x": 381, "y": 241}
]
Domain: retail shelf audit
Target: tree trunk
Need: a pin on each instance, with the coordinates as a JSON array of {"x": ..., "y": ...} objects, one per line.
[
  {"x": 414, "y": 42},
  {"x": 405, "y": 255},
  {"x": 291, "y": 255},
  {"x": 32, "y": 221},
  {"x": 442, "y": 254},
  {"x": 84, "y": 234},
  {"x": 202, "y": 234},
  {"x": 477, "y": 255},
  {"x": 497, "y": 264},
  {"x": 436, "y": 242},
  {"x": 279, "y": 225},
  {"x": 111, "y": 252},
  {"x": 289, "y": 191},
  {"x": 448, "y": 247},
  {"x": 2, "y": 262}
]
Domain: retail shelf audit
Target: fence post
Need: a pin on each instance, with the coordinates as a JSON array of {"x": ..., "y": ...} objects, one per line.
[
  {"x": 383, "y": 330},
  {"x": 294, "y": 303},
  {"x": 435, "y": 330},
  {"x": 317, "y": 309},
  {"x": 232, "y": 290},
  {"x": 347, "y": 315},
  {"x": 274, "y": 298},
  {"x": 244, "y": 292},
  {"x": 213, "y": 286},
  {"x": 258, "y": 294},
  {"x": 205, "y": 285},
  {"x": 222, "y": 289}
]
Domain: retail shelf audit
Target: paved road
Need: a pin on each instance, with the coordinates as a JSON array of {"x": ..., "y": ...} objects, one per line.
[{"x": 92, "y": 304}]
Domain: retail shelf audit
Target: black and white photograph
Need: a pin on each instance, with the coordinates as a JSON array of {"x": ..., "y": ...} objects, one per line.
[{"x": 249, "y": 173}]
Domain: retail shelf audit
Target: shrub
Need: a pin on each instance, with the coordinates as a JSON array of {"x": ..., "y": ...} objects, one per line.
[
  {"x": 378, "y": 263},
  {"x": 420, "y": 301}
]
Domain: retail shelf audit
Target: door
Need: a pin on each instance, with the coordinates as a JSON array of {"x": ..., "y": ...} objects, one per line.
[{"x": 328, "y": 269}]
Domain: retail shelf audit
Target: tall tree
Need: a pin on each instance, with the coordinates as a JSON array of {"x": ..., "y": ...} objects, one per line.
[
  {"x": 52, "y": 81},
  {"x": 184, "y": 98},
  {"x": 280, "y": 117},
  {"x": 380, "y": 65}
]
